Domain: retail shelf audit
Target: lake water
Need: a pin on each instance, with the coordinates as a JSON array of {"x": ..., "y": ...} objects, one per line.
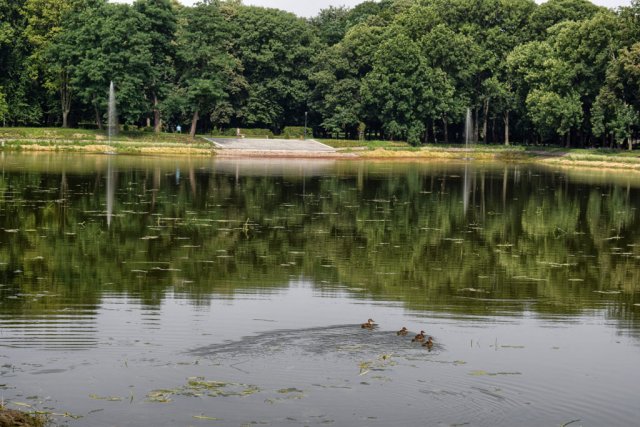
[{"x": 164, "y": 292}]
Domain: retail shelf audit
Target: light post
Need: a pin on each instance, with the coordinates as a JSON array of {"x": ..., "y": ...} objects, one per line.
[{"x": 305, "y": 124}]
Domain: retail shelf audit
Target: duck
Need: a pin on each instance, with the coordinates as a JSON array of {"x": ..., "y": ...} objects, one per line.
[
  {"x": 419, "y": 337},
  {"x": 428, "y": 343},
  {"x": 369, "y": 325},
  {"x": 402, "y": 332}
]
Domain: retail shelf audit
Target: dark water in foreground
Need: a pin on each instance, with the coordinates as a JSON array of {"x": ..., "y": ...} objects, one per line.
[{"x": 195, "y": 292}]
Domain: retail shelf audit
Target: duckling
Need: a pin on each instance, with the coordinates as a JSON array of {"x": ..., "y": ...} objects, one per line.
[
  {"x": 428, "y": 343},
  {"x": 419, "y": 337},
  {"x": 369, "y": 325},
  {"x": 402, "y": 332}
]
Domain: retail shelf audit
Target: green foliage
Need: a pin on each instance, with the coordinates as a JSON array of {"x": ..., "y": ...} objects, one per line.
[
  {"x": 612, "y": 115},
  {"x": 331, "y": 24},
  {"x": 552, "y": 12},
  {"x": 160, "y": 23},
  {"x": 551, "y": 112},
  {"x": 103, "y": 42},
  {"x": 405, "y": 90},
  {"x": 254, "y": 132},
  {"x": 295, "y": 132},
  {"x": 209, "y": 77},
  {"x": 4, "y": 108},
  {"x": 275, "y": 49}
]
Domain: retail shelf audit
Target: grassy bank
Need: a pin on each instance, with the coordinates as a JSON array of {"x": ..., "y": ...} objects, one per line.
[
  {"x": 86, "y": 135},
  {"x": 93, "y": 141},
  {"x": 149, "y": 143},
  {"x": 562, "y": 157}
]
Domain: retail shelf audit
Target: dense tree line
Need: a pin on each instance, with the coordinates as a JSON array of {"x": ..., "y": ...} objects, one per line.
[{"x": 565, "y": 71}]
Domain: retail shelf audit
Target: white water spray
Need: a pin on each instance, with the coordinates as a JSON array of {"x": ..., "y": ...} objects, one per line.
[
  {"x": 468, "y": 128},
  {"x": 112, "y": 117}
]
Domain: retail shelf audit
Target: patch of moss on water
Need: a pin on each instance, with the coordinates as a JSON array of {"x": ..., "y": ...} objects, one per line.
[{"x": 200, "y": 387}]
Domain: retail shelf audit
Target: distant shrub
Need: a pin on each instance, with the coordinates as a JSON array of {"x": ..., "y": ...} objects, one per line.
[
  {"x": 261, "y": 133},
  {"x": 295, "y": 132},
  {"x": 87, "y": 125}
]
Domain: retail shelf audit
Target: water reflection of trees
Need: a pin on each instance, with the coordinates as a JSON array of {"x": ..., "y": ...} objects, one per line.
[{"x": 467, "y": 240}]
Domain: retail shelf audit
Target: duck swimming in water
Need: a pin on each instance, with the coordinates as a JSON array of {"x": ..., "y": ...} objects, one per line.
[
  {"x": 369, "y": 325},
  {"x": 428, "y": 343},
  {"x": 402, "y": 332},
  {"x": 419, "y": 337}
]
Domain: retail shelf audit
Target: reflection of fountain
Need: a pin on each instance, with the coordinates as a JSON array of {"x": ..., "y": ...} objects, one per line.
[
  {"x": 112, "y": 118},
  {"x": 466, "y": 188},
  {"x": 111, "y": 190}
]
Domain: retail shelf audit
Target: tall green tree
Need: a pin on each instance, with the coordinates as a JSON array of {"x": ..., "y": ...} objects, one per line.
[
  {"x": 4, "y": 108},
  {"x": 405, "y": 90},
  {"x": 553, "y": 12},
  {"x": 103, "y": 42},
  {"x": 612, "y": 116},
  {"x": 160, "y": 23},
  {"x": 44, "y": 23},
  {"x": 22, "y": 97},
  {"x": 275, "y": 49},
  {"x": 208, "y": 74},
  {"x": 337, "y": 77},
  {"x": 331, "y": 24}
]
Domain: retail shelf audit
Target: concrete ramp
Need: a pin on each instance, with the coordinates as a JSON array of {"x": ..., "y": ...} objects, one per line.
[{"x": 282, "y": 145}]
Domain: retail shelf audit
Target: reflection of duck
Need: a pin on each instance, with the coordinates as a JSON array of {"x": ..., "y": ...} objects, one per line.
[
  {"x": 419, "y": 337},
  {"x": 428, "y": 343},
  {"x": 369, "y": 325},
  {"x": 403, "y": 332}
]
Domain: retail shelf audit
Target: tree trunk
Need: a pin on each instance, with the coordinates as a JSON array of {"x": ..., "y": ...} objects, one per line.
[
  {"x": 494, "y": 137},
  {"x": 65, "y": 98},
  {"x": 65, "y": 119},
  {"x": 505, "y": 117},
  {"x": 568, "y": 144},
  {"x": 435, "y": 134},
  {"x": 426, "y": 133},
  {"x": 485, "y": 120},
  {"x": 446, "y": 130},
  {"x": 194, "y": 122},
  {"x": 98, "y": 117},
  {"x": 157, "y": 121}
]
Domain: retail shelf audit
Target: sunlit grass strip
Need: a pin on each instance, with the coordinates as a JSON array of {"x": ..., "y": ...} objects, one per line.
[
  {"x": 120, "y": 147},
  {"x": 79, "y": 135}
]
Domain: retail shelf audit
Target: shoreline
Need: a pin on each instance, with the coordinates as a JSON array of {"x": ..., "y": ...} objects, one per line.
[{"x": 571, "y": 158}]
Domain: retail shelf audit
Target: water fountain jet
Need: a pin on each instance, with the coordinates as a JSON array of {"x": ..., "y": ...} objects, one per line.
[
  {"x": 112, "y": 118},
  {"x": 468, "y": 131},
  {"x": 468, "y": 128}
]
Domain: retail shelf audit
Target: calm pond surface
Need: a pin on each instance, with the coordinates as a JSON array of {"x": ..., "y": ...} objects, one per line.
[{"x": 164, "y": 292}]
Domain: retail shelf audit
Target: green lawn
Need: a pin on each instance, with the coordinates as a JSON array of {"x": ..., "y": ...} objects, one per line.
[{"x": 85, "y": 135}]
